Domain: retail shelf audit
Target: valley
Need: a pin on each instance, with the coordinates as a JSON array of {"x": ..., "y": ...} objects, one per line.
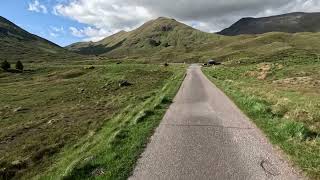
[{"x": 88, "y": 110}]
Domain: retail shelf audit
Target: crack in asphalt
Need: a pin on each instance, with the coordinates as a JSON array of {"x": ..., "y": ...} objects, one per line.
[{"x": 269, "y": 168}]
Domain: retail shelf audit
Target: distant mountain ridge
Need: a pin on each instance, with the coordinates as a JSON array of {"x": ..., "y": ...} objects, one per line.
[
  {"x": 289, "y": 23},
  {"x": 166, "y": 37},
  {"x": 160, "y": 40},
  {"x": 18, "y": 44}
]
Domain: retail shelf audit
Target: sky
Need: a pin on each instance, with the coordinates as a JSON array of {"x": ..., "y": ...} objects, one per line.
[{"x": 67, "y": 21}]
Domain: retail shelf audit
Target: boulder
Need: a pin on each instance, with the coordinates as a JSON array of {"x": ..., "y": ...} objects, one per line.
[
  {"x": 20, "y": 109},
  {"x": 90, "y": 67},
  {"x": 124, "y": 83}
]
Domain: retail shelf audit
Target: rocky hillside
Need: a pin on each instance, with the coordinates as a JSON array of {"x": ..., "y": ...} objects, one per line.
[
  {"x": 18, "y": 44},
  {"x": 290, "y": 23},
  {"x": 159, "y": 35}
]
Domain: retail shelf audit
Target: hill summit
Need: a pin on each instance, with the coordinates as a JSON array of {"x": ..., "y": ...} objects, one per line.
[
  {"x": 289, "y": 23},
  {"x": 155, "y": 35}
]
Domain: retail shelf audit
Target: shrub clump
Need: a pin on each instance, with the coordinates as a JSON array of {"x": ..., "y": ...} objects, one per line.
[
  {"x": 19, "y": 66},
  {"x": 5, "y": 65}
]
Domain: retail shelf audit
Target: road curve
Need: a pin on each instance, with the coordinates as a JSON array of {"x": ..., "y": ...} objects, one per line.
[{"x": 205, "y": 136}]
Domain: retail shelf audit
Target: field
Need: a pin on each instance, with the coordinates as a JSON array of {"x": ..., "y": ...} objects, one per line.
[
  {"x": 89, "y": 116},
  {"x": 281, "y": 94},
  {"x": 76, "y": 121}
]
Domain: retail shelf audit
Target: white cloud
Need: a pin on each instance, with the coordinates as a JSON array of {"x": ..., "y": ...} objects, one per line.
[
  {"x": 103, "y": 17},
  {"x": 35, "y": 6},
  {"x": 90, "y": 33},
  {"x": 53, "y": 34},
  {"x": 109, "y": 16},
  {"x": 104, "y": 14},
  {"x": 57, "y": 29}
]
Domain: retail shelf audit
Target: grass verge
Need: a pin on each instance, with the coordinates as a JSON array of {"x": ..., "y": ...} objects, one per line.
[
  {"x": 52, "y": 113},
  {"x": 287, "y": 113},
  {"x": 112, "y": 152}
]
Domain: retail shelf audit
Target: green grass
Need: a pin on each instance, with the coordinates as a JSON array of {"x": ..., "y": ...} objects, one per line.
[
  {"x": 59, "y": 120},
  {"x": 288, "y": 112}
]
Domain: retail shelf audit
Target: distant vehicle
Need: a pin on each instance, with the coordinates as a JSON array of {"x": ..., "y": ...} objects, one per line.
[{"x": 213, "y": 62}]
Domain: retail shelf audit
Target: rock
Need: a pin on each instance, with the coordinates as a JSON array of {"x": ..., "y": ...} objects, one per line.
[
  {"x": 124, "y": 83},
  {"x": 17, "y": 164},
  {"x": 105, "y": 86},
  {"x": 166, "y": 28},
  {"x": 81, "y": 90},
  {"x": 98, "y": 172},
  {"x": 50, "y": 121},
  {"x": 166, "y": 45},
  {"x": 20, "y": 109},
  {"x": 90, "y": 67},
  {"x": 154, "y": 43}
]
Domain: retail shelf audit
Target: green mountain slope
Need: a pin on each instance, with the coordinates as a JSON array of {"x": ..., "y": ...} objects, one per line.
[
  {"x": 157, "y": 36},
  {"x": 166, "y": 39},
  {"x": 18, "y": 44},
  {"x": 290, "y": 23}
]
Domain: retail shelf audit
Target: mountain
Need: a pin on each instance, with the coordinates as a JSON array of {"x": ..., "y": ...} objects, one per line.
[
  {"x": 18, "y": 44},
  {"x": 290, "y": 23},
  {"x": 156, "y": 36},
  {"x": 167, "y": 40}
]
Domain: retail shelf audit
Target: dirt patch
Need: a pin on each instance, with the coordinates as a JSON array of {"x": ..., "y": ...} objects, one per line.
[
  {"x": 71, "y": 74},
  {"x": 66, "y": 75},
  {"x": 298, "y": 81},
  {"x": 262, "y": 72}
]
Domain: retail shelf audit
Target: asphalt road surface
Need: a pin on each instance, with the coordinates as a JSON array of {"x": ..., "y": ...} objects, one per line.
[{"x": 205, "y": 136}]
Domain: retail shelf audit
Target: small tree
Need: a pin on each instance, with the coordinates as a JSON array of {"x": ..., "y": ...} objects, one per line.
[
  {"x": 19, "y": 66},
  {"x": 5, "y": 65}
]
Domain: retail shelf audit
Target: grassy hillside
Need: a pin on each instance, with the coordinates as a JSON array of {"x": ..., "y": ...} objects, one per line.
[
  {"x": 248, "y": 49},
  {"x": 165, "y": 39},
  {"x": 58, "y": 118},
  {"x": 290, "y": 23},
  {"x": 159, "y": 38},
  {"x": 18, "y": 44},
  {"x": 280, "y": 93}
]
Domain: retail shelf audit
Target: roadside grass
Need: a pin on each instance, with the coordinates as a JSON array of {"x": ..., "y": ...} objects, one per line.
[
  {"x": 283, "y": 105},
  {"x": 56, "y": 119},
  {"x": 114, "y": 150}
]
